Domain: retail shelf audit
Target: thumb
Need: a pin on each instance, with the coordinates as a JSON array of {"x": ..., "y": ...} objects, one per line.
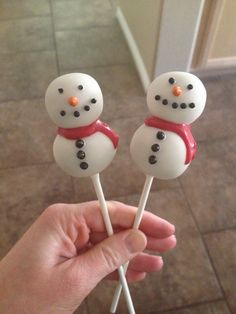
[{"x": 109, "y": 254}]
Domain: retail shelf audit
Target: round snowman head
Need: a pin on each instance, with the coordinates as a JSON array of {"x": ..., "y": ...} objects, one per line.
[
  {"x": 178, "y": 97},
  {"x": 74, "y": 100}
]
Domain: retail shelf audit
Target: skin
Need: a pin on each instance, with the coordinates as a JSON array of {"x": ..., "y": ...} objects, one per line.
[{"x": 66, "y": 253}]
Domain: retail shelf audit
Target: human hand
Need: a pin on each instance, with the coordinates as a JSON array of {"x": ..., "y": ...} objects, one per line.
[{"x": 66, "y": 252}]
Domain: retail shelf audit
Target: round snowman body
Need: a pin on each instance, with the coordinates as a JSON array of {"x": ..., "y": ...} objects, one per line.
[
  {"x": 83, "y": 157},
  {"x": 158, "y": 153}
]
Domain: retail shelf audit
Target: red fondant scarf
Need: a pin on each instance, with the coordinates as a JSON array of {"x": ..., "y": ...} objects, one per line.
[
  {"x": 183, "y": 130},
  {"x": 84, "y": 131}
]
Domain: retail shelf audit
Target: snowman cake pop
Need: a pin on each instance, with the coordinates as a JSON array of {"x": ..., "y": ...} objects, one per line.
[
  {"x": 84, "y": 145},
  {"x": 163, "y": 147}
]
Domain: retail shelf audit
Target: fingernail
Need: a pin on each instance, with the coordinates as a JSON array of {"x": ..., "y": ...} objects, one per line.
[
  {"x": 135, "y": 241},
  {"x": 175, "y": 241}
]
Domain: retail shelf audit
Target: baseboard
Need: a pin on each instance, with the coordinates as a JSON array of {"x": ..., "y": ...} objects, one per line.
[
  {"x": 138, "y": 60},
  {"x": 219, "y": 66}
]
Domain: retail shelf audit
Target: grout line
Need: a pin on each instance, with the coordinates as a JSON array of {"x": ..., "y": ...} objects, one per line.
[
  {"x": 54, "y": 37},
  {"x": 3, "y": 102},
  {"x": 189, "y": 306},
  {"x": 82, "y": 28},
  {"x": 106, "y": 66},
  {"x": 215, "y": 140},
  {"x": 12, "y": 53},
  {"x": 24, "y": 17},
  {"x": 206, "y": 248},
  {"x": 137, "y": 193},
  {"x": 45, "y": 163},
  {"x": 218, "y": 230},
  {"x": 73, "y": 189},
  {"x": 89, "y": 27},
  {"x": 68, "y": 70}
]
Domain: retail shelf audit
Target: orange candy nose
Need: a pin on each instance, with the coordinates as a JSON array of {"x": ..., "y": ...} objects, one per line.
[
  {"x": 177, "y": 90},
  {"x": 73, "y": 101}
]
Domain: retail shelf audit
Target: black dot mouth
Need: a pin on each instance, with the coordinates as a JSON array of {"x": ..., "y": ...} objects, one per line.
[
  {"x": 175, "y": 105},
  {"x": 76, "y": 114},
  {"x": 192, "y": 105},
  {"x": 165, "y": 102},
  {"x": 86, "y": 108}
]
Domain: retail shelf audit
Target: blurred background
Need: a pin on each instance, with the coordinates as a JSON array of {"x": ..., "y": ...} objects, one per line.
[{"x": 124, "y": 45}]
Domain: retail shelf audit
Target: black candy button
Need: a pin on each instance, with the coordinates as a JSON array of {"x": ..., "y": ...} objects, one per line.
[
  {"x": 165, "y": 102},
  {"x": 81, "y": 154},
  {"x": 76, "y": 114},
  {"x": 84, "y": 165},
  {"x": 157, "y": 97},
  {"x": 63, "y": 113},
  {"x": 79, "y": 143},
  {"x": 174, "y": 105},
  {"x": 183, "y": 105},
  {"x": 155, "y": 147},
  {"x": 161, "y": 135},
  {"x": 152, "y": 159}
]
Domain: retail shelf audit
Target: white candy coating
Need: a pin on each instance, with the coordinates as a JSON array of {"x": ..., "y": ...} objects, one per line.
[
  {"x": 170, "y": 158},
  {"x": 57, "y": 102},
  {"x": 172, "y": 87},
  {"x": 98, "y": 150},
  {"x": 163, "y": 88}
]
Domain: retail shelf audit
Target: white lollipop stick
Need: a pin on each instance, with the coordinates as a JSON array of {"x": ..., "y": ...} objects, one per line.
[
  {"x": 138, "y": 218},
  {"x": 100, "y": 195}
]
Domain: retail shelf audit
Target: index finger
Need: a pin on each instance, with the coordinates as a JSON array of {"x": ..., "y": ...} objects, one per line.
[{"x": 122, "y": 216}]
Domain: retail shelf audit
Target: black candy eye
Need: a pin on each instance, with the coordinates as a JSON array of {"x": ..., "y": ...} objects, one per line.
[
  {"x": 60, "y": 90},
  {"x": 171, "y": 80},
  {"x": 80, "y": 87},
  {"x": 190, "y": 86},
  {"x": 93, "y": 100}
]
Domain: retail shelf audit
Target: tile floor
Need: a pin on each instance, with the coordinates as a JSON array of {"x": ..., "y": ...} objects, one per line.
[{"x": 39, "y": 41}]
